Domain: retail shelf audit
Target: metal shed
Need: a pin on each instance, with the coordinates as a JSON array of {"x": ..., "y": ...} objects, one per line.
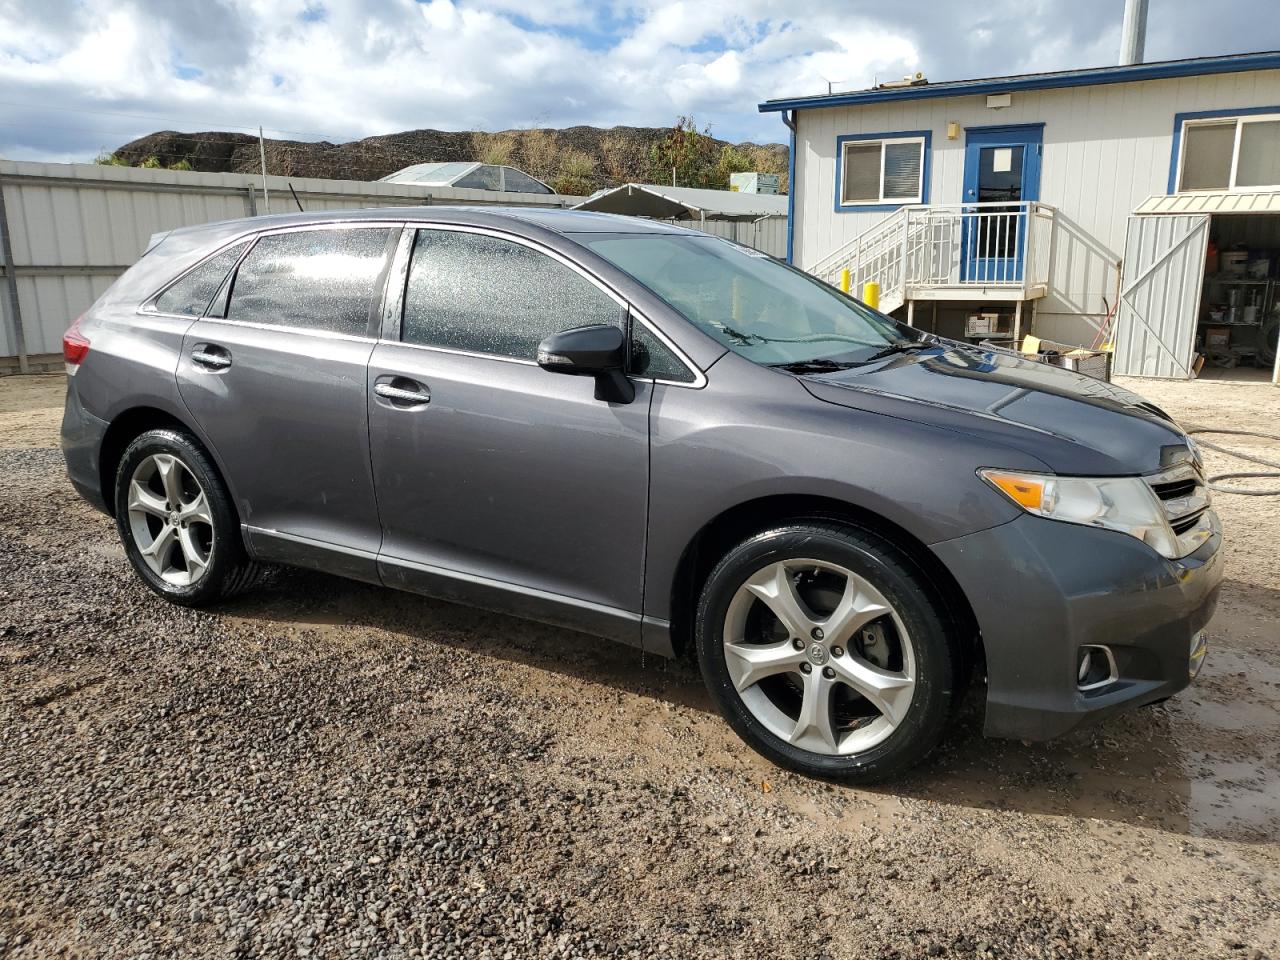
[
  {"x": 684, "y": 203},
  {"x": 1164, "y": 280},
  {"x": 469, "y": 175}
]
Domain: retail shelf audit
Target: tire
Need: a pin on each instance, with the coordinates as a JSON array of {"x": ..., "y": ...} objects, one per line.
[
  {"x": 176, "y": 521},
  {"x": 872, "y": 623},
  {"x": 1267, "y": 341}
]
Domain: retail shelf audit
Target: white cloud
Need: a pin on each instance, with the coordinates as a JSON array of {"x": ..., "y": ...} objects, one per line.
[{"x": 78, "y": 75}]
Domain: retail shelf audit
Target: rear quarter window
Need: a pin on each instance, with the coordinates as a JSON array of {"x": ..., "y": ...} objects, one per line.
[
  {"x": 191, "y": 294},
  {"x": 312, "y": 279}
]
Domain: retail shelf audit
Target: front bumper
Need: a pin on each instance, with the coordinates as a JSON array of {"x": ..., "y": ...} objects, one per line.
[
  {"x": 1041, "y": 589},
  {"x": 82, "y": 435}
]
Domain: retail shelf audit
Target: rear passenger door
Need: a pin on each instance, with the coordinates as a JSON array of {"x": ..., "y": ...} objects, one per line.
[
  {"x": 499, "y": 483},
  {"x": 275, "y": 375}
]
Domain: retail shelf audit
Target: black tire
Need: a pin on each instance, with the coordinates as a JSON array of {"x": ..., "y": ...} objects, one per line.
[
  {"x": 938, "y": 662},
  {"x": 229, "y": 570},
  {"x": 1267, "y": 341}
]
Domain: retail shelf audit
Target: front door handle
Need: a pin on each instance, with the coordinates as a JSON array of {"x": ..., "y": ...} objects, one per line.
[
  {"x": 402, "y": 392},
  {"x": 211, "y": 356}
]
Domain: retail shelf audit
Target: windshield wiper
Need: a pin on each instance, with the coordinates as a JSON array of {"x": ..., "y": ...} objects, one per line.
[
  {"x": 816, "y": 365},
  {"x": 899, "y": 346}
]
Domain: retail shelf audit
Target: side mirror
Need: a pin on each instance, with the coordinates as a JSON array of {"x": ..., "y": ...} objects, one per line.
[{"x": 598, "y": 351}]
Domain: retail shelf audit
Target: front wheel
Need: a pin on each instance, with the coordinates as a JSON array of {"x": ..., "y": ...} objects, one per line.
[
  {"x": 825, "y": 650},
  {"x": 176, "y": 521}
]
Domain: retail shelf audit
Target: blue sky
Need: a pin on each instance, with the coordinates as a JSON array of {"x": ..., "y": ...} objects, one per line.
[{"x": 77, "y": 76}]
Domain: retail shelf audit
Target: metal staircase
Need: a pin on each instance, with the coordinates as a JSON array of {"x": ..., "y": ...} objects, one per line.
[
  {"x": 977, "y": 251},
  {"x": 876, "y": 255}
]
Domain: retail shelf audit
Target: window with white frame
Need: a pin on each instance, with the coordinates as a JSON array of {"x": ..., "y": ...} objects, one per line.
[
  {"x": 882, "y": 171},
  {"x": 1232, "y": 153}
]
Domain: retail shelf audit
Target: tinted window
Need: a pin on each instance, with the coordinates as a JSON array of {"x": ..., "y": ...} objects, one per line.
[
  {"x": 650, "y": 357},
  {"x": 517, "y": 182},
  {"x": 191, "y": 294},
  {"x": 481, "y": 178},
  {"x": 319, "y": 279},
  {"x": 483, "y": 294}
]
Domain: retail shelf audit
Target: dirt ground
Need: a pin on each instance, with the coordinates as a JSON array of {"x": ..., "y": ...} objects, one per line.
[{"x": 328, "y": 769}]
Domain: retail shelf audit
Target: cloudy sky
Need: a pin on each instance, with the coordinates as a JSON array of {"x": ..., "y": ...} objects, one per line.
[{"x": 80, "y": 75}]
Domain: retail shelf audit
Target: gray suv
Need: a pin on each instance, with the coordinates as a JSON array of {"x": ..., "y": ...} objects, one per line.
[{"x": 656, "y": 436}]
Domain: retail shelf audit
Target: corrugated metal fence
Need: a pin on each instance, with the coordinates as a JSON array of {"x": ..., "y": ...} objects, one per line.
[
  {"x": 73, "y": 228},
  {"x": 768, "y": 234},
  {"x": 68, "y": 230}
]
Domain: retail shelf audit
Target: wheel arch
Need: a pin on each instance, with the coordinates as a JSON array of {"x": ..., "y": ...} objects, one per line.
[
  {"x": 738, "y": 522},
  {"x": 125, "y": 427}
]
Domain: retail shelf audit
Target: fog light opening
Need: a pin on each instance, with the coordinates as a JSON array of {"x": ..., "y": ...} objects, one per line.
[{"x": 1095, "y": 667}]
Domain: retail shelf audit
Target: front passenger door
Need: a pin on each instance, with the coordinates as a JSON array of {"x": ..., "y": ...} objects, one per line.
[{"x": 499, "y": 483}]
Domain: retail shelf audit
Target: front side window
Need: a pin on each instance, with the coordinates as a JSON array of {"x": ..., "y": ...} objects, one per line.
[
  {"x": 191, "y": 294},
  {"x": 483, "y": 294},
  {"x": 756, "y": 306},
  {"x": 1239, "y": 153},
  {"x": 314, "y": 279},
  {"x": 882, "y": 171},
  {"x": 652, "y": 358}
]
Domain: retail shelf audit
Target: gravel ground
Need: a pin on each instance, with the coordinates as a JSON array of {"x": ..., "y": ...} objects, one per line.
[{"x": 324, "y": 769}]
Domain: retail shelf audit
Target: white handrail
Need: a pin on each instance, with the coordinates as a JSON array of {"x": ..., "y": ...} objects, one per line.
[{"x": 991, "y": 244}]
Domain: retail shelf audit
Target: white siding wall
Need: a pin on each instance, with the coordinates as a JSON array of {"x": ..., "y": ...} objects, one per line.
[{"x": 1106, "y": 149}]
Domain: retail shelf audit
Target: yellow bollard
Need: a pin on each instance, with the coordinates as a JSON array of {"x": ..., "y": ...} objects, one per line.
[
  {"x": 871, "y": 295},
  {"x": 846, "y": 280}
]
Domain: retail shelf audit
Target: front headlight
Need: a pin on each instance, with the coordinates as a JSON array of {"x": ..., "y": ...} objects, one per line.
[{"x": 1125, "y": 504}]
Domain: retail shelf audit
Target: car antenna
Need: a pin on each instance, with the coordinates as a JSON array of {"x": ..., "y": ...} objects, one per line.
[{"x": 295, "y": 198}]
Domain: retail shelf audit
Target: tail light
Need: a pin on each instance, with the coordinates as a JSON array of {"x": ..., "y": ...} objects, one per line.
[{"x": 75, "y": 347}]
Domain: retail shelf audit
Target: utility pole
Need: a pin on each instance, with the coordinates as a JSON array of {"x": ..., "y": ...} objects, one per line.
[{"x": 262, "y": 155}]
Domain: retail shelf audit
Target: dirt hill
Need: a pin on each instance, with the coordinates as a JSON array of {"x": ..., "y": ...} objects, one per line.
[{"x": 575, "y": 159}]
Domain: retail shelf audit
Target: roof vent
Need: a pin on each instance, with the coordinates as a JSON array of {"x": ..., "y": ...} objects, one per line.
[{"x": 910, "y": 80}]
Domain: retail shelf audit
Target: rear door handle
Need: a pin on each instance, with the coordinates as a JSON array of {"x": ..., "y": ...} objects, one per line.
[
  {"x": 210, "y": 356},
  {"x": 402, "y": 392}
]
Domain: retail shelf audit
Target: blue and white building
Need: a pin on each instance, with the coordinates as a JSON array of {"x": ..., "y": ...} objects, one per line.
[{"x": 1058, "y": 200}]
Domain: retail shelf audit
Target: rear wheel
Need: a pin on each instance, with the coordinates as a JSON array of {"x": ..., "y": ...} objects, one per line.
[
  {"x": 176, "y": 522},
  {"x": 826, "y": 651}
]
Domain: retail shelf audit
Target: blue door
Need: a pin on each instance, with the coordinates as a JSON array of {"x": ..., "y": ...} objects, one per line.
[{"x": 1001, "y": 172}]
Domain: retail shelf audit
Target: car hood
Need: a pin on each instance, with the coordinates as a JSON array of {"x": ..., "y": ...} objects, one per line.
[{"x": 1072, "y": 423}]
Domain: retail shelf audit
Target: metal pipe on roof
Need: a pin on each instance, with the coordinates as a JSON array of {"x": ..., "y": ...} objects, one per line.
[{"x": 1133, "y": 35}]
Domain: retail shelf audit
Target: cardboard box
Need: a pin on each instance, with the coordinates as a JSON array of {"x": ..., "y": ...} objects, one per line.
[
  {"x": 981, "y": 324},
  {"x": 1217, "y": 336}
]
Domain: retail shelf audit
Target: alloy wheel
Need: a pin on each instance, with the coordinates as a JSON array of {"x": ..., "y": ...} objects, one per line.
[
  {"x": 819, "y": 656},
  {"x": 170, "y": 520}
]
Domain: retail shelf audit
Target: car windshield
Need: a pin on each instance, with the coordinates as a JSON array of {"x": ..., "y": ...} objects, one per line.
[{"x": 756, "y": 306}]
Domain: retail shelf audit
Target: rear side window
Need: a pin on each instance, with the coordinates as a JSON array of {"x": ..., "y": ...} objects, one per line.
[
  {"x": 314, "y": 279},
  {"x": 483, "y": 294},
  {"x": 191, "y": 294}
]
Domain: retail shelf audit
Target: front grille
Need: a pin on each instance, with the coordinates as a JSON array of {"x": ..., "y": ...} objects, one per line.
[
  {"x": 1175, "y": 489},
  {"x": 1182, "y": 526},
  {"x": 1182, "y": 492}
]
